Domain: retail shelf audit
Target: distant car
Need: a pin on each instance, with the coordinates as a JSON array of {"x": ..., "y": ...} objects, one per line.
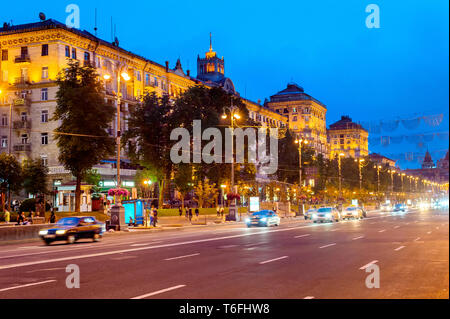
[
  {"x": 435, "y": 204},
  {"x": 326, "y": 214},
  {"x": 386, "y": 207},
  {"x": 263, "y": 218},
  {"x": 399, "y": 208},
  {"x": 309, "y": 213},
  {"x": 70, "y": 229},
  {"x": 352, "y": 212}
]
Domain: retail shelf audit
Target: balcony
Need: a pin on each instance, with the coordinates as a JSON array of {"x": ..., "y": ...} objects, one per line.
[
  {"x": 25, "y": 102},
  {"x": 22, "y": 147},
  {"x": 18, "y": 125},
  {"x": 23, "y": 58},
  {"x": 22, "y": 81}
]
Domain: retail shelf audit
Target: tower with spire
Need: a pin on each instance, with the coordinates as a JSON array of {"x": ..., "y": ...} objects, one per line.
[
  {"x": 211, "y": 67},
  {"x": 427, "y": 161}
]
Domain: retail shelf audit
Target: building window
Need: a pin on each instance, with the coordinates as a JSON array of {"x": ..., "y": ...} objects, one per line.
[
  {"x": 44, "y": 116},
  {"x": 4, "y": 120},
  {"x": 44, "y": 50},
  {"x": 23, "y": 116},
  {"x": 138, "y": 75},
  {"x": 44, "y": 94},
  {"x": 86, "y": 56},
  {"x": 5, "y": 75},
  {"x": 294, "y": 119},
  {"x": 4, "y": 142},
  {"x": 44, "y": 160},
  {"x": 294, "y": 110},
  {"x": 24, "y": 138},
  {"x": 74, "y": 53},
  {"x": 4, "y": 55},
  {"x": 45, "y": 72},
  {"x": 98, "y": 63},
  {"x": 24, "y": 51},
  {"x": 67, "y": 51},
  {"x": 44, "y": 138},
  {"x": 147, "y": 79}
]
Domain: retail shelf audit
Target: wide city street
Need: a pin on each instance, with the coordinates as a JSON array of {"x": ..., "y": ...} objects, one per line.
[{"x": 298, "y": 259}]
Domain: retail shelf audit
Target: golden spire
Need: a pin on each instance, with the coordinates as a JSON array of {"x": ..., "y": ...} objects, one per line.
[{"x": 210, "y": 42}]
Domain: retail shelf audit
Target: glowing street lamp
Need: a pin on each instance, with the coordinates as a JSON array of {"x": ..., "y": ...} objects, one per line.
[
  {"x": 299, "y": 142},
  {"x": 340, "y": 173},
  {"x": 360, "y": 161}
]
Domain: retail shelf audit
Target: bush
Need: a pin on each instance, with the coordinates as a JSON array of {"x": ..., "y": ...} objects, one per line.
[{"x": 29, "y": 205}]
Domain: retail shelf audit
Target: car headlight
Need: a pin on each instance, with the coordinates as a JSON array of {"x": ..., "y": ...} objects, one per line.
[
  {"x": 328, "y": 215},
  {"x": 60, "y": 232},
  {"x": 355, "y": 213},
  {"x": 43, "y": 232},
  {"x": 263, "y": 219},
  {"x": 247, "y": 220},
  {"x": 314, "y": 216}
]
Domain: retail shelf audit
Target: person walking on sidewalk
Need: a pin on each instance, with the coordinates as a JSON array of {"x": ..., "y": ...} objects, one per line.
[
  {"x": 190, "y": 214},
  {"x": 180, "y": 211},
  {"x": 52, "y": 219},
  {"x": 155, "y": 217},
  {"x": 187, "y": 212},
  {"x": 218, "y": 210},
  {"x": 221, "y": 211},
  {"x": 197, "y": 212}
]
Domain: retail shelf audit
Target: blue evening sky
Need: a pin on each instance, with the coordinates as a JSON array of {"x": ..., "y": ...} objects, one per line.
[{"x": 397, "y": 71}]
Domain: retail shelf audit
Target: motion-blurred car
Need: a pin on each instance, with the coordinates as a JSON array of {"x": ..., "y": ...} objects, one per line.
[
  {"x": 386, "y": 207},
  {"x": 326, "y": 214},
  {"x": 352, "y": 212},
  {"x": 263, "y": 218},
  {"x": 71, "y": 229},
  {"x": 309, "y": 213},
  {"x": 399, "y": 208}
]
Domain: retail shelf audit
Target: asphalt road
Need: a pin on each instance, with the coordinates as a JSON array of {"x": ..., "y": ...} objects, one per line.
[{"x": 297, "y": 259}]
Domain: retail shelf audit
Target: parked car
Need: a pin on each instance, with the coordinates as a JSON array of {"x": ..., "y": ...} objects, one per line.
[
  {"x": 325, "y": 214},
  {"x": 263, "y": 218},
  {"x": 352, "y": 212},
  {"x": 71, "y": 229}
]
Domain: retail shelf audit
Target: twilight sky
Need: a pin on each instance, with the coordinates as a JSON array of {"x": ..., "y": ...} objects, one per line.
[{"x": 398, "y": 71}]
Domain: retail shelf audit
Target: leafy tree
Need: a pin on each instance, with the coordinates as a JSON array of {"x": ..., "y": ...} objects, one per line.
[
  {"x": 205, "y": 193},
  {"x": 35, "y": 177},
  {"x": 183, "y": 180},
  {"x": 148, "y": 138},
  {"x": 10, "y": 176},
  {"x": 92, "y": 177},
  {"x": 84, "y": 115}
]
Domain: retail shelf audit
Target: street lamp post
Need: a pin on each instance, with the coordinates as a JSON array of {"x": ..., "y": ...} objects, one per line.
[
  {"x": 392, "y": 172},
  {"x": 125, "y": 77},
  {"x": 360, "y": 161},
  {"x": 233, "y": 115},
  {"x": 340, "y": 174},
  {"x": 300, "y": 142},
  {"x": 378, "y": 167},
  {"x": 402, "y": 175}
]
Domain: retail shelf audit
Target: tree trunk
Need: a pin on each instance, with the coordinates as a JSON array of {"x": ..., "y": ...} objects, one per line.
[
  {"x": 182, "y": 201},
  {"x": 2, "y": 195},
  {"x": 78, "y": 195},
  {"x": 161, "y": 193}
]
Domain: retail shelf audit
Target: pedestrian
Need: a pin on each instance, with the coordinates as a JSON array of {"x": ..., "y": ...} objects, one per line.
[
  {"x": 197, "y": 212},
  {"x": 218, "y": 210},
  {"x": 7, "y": 216},
  {"x": 221, "y": 211},
  {"x": 180, "y": 211},
  {"x": 24, "y": 219},
  {"x": 187, "y": 212},
  {"x": 52, "y": 217},
  {"x": 155, "y": 217},
  {"x": 190, "y": 214},
  {"x": 151, "y": 216},
  {"x": 20, "y": 218}
]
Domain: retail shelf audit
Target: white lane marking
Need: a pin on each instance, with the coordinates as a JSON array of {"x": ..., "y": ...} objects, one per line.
[
  {"x": 333, "y": 229},
  {"x": 429, "y": 232},
  {"x": 367, "y": 265},
  {"x": 228, "y": 246},
  {"x": 27, "y": 285},
  {"x": 47, "y": 269},
  {"x": 28, "y": 247},
  {"x": 396, "y": 227},
  {"x": 437, "y": 227},
  {"x": 357, "y": 237},
  {"x": 185, "y": 256},
  {"x": 270, "y": 260},
  {"x": 398, "y": 248},
  {"x": 382, "y": 231},
  {"x": 300, "y": 236},
  {"x": 329, "y": 245},
  {"x": 417, "y": 239},
  {"x": 158, "y": 292},
  {"x": 145, "y": 244},
  {"x": 154, "y": 247},
  {"x": 309, "y": 297}
]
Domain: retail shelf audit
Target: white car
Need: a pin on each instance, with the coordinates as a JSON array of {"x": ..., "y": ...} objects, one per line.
[
  {"x": 263, "y": 218},
  {"x": 326, "y": 214},
  {"x": 309, "y": 213}
]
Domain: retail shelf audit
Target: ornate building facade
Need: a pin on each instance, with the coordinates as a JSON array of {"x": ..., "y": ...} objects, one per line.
[
  {"x": 33, "y": 54},
  {"x": 306, "y": 115},
  {"x": 345, "y": 136}
]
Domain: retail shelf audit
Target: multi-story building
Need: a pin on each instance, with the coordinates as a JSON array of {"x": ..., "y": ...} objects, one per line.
[
  {"x": 306, "y": 115},
  {"x": 345, "y": 136},
  {"x": 435, "y": 173},
  {"x": 382, "y": 160},
  {"x": 33, "y": 54}
]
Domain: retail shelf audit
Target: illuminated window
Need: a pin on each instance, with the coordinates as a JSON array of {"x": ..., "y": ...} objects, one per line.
[{"x": 45, "y": 72}]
